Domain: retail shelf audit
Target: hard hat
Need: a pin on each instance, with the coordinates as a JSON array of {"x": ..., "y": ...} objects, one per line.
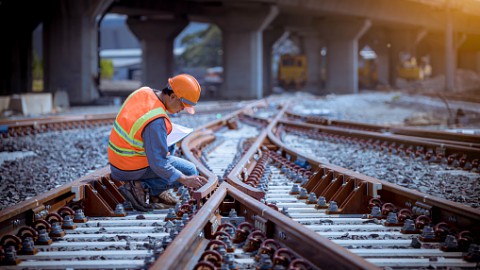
[{"x": 187, "y": 89}]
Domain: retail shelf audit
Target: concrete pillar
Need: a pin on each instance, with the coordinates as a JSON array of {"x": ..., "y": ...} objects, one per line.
[
  {"x": 438, "y": 61},
  {"x": 243, "y": 50},
  {"x": 16, "y": 61},
  {"x": 270, "y": 36},
  {"x": 16, "y": 53},
  {"x": 477, "y": 57},
  {"x": 382, "y": 50},
  {"x": 342, "y": 54},
  {"x": 156, "y": 38},
  {"x": 312, "y": 44},
  {"x": 468, "y": 60},
  {"x": 450, "y": 64},
  {"x": 70, "y": 49}
]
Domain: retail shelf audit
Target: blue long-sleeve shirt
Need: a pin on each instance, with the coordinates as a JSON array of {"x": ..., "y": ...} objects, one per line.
[{"x": 155, "y": 143}]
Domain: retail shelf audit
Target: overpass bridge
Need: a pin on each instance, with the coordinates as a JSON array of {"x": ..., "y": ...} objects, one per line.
[{"x": 448, "y": 30}]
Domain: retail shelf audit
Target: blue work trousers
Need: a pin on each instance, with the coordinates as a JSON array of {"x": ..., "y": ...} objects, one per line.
[{"x": 157, "y": 185}]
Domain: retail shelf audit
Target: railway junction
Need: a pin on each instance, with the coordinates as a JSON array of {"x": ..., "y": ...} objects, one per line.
[{"x": 282, "y": 170}]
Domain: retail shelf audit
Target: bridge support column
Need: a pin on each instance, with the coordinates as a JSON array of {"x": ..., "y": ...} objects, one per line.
[
  {"x": 342, "y": 54},
  {"x": 270, "y": 36},
  {"x": 156, "y": 38},
  {"x": 469, "y": 60},
  {"x": 16, "y": 61},
  {"x": 243, "y": 50},
  {"x": 16, "y": 56},
  {"x": 450, "y": 52},
  {"x": 313, "y": 47},
  {"x": 70, "y": 49}
]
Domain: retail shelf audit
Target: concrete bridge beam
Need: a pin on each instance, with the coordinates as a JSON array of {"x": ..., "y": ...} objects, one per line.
[
  {"x": 342, "y": 54},
  {"x": 312, "y": 44},
  {"x": 270, "y": 36},
  {"x": 157, "y": 37},
  {"x": 243, "y": 50},
  {"x": 70, "y": 48}
]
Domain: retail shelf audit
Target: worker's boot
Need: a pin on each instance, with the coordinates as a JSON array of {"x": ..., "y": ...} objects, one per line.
[
  {"x": 134, "y": 192},
  {"x": 165, "y": 198},
  {"x": 129, "y": 197}
]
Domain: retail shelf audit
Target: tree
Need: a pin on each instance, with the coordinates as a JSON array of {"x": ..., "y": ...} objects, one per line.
[{"x": 202, "y": 48}]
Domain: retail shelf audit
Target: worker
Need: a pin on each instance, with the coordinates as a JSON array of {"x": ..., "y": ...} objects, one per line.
[{"x": 137, "y": 149}]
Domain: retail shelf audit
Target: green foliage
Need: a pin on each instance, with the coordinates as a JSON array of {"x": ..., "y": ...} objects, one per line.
[
  {"x": 37, "y": 67},
  {"x": 395, "y": 98},
  {"x": 202, "y": 48},
  {"x": 106, "y": 69}
]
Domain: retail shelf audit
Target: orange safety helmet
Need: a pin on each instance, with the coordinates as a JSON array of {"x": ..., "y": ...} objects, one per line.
[{"x": 187, "y": 88}]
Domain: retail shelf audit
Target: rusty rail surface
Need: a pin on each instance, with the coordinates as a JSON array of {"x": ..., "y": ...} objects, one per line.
[
  {"x": 31, "y": 126},
  {"x": 204, "y": 135},
  {"x": 443, "y": 209},
  {"x": 240, "y": 173},
  {"x": 453, "y": 152},
  {"x": 25, "y": 127},
  {"x": 318, "y": 251},
  {"x": 467, "y": 140}
]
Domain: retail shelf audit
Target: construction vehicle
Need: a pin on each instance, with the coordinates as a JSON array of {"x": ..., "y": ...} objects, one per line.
[
  {"x": 292, "y": 71},
  {"x": 367, "y": 73},
  {"x": 410, "y": 70}
]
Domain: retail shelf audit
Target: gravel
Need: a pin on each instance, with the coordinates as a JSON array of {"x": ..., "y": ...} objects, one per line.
[
  {"x": 35, "y": 164},
  {"x": 430, "y": 178}
]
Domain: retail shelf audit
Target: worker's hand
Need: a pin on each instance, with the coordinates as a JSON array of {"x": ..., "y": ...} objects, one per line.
[{"x": 194, "y": 181}]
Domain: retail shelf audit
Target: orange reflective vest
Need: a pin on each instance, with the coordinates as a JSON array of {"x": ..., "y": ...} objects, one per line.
[{"x": 125, "y": 147}]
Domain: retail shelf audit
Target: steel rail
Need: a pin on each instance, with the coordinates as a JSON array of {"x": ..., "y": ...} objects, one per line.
[
  {"x": 202, "y": 136},
  {"x": 24, "y": 212},
  {"x": 240, "y": 173},
  {"x": 443, "y": 209},
  {"x": 29, "y": 126},
  {"x": 454, "y": 151},
  {"x": 430, "y": 135},
  {"x": 191, "y": 240},
  {"x": 318, "y": 250}
]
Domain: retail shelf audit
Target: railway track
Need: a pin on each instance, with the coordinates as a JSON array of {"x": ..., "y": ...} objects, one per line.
[
  {"x": 440, "y": 137},
  {"x": 31, "y": 126},
  {"x": 344, "y": 219}
]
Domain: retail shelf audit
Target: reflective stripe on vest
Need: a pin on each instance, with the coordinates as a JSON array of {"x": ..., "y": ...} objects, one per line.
[{"x": 130, "y": 137}]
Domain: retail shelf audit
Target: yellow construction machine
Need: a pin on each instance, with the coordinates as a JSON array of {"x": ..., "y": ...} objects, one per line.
[
  {"x": 292, "y": 71},
  {"x": 410, "y": 70}
]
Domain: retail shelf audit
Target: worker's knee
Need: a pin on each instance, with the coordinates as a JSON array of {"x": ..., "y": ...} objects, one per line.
[{"x": 183, "y": 165}]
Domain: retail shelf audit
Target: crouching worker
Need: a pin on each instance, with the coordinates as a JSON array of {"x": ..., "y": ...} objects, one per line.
[{"x": 138, "y": 152}]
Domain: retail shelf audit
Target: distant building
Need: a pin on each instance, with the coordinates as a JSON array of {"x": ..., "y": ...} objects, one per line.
[{"x": 120, "y": 45}]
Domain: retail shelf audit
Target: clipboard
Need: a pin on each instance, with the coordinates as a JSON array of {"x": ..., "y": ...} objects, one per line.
[{"x": 178, "y": 133}]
